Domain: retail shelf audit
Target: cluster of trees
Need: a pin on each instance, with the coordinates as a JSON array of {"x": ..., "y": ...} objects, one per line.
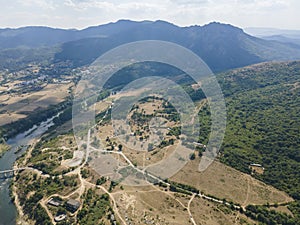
[
  {"x": 95, "y": 208},
  {"x": 101, "y": 181},
  {"x": 269, "y": 217},
  {"x": 50, "y": 160},
  {"x": 183, "y": 188},
  {"x": 166, "y": 142},
  {"x": 175, "y": 131},
  {"x": 36, "y": 117},
  {"x": 263, "y": 123},
  {"x": 34, "y": 210},
  {"x": 195, "y": 94},
  {"x": 16, "y": 59},
  {"x": 40, "y": 216},
  {"x": 205, "y": 124},
  {"x": 139, "y": 70}
]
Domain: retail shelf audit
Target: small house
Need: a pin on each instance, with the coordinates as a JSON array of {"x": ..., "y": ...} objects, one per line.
[
  {"x": 256, "y": 168},
  {"x": 72, "y": 205},
  {"x": 54, "y": 202}
]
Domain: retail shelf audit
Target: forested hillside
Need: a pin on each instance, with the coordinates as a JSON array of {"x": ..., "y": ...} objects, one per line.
[{"x": 263, "y": 105}]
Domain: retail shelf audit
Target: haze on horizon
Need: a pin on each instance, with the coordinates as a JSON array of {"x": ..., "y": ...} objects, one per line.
[{"x": 282, "y": 14}]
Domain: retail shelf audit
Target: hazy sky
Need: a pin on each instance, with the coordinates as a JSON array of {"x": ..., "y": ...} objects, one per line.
[{"x": 84, "y": 13}]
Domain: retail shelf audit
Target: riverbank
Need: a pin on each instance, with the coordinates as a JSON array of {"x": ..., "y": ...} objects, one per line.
[
  {"x": 10, "y": 130},
  {"x": 20, "y": 215},
  {"x": 20, "y": 219},
  {"x": 9, "y": 211},
  {"x": 3, "y": 148}
]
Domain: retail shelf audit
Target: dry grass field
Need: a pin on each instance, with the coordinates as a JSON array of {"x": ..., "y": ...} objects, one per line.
[
  {"x": 136, "y": 155},
  {"x": 208, "y": 213},
  {"x": 16, "y": 107},
  {"x": 101, "y": 106},
  {"x": 222, "y": 181},
  {"x": 151, "y": 205},
  {"x": 10, "y": 117},
  {"x": 146, "y": 205}
]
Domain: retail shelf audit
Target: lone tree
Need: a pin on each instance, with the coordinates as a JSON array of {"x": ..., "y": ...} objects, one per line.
[
  {"x": 120, "y": 147},
  {"x": 150, "y": 146},
  {"x": 192, "y": 156}
]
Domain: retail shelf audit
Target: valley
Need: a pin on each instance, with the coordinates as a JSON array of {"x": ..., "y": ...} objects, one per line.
[
  {"x": 220, "y": 187},
  {"x": 144, "y": 170}
]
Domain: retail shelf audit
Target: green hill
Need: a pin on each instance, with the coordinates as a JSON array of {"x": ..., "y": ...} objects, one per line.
[
  {"x": 263, "y": 105},
  {"x": 264, "y": 122}
]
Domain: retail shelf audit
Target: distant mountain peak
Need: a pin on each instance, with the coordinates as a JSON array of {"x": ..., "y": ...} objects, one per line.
[
  {"x": 223, "y": 26},
  {"x": 221, "y": 46},
  {"x": 164, "y": 22}
]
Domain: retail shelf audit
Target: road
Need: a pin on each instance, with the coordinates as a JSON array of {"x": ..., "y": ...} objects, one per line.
[
  {"x": 189, "y": 209},
  {"x": 115, "y": 207},
  {"x": 193, "y": 195},
  {"x": 84, "y": 183}
]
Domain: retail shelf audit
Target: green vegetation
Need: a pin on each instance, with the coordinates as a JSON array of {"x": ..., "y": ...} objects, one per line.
[
  {"x": 48, "y": 161},
  {"x": 294, "y": 207},
  {"x": 44, "y": 186},
  {"x": 205, "y": 124},
  {"x": 3, "y": 148},
  {"x": 95, "y": 208},
  {"x": 101, "y": 181},
  {"x": 15, "y": 59},
  {"x": 175, "y": 131},
  {"x": 263, "y": 127},
  {"x": 183, "y": 188},
  {"x": 132, "y": 72},
  {"x": 195, "y": 95},
  {"x": 263, "y": 123},
  {"x": 269, "y": 217},
  {"x": 40, "y": 216},
  {"x": 140, "y": 120},
  {"x": 10, "y": 130}
]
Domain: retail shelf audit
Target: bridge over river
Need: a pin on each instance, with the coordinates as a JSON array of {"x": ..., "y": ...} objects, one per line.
[{"x": 4, "y": 174}]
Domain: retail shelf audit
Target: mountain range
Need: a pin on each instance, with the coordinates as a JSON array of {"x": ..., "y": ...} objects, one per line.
[
  {"x": 221, "y": 46},
  {"x": 280, "y": 35}
]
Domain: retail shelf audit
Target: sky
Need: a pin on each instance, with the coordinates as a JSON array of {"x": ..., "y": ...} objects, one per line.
[{"x": 79, "y": 14}]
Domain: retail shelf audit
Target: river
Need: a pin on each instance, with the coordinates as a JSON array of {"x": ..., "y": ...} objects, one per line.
[{"x": 8, "y": 212}]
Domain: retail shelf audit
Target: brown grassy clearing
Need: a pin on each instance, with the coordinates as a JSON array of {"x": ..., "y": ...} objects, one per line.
[
  {"x": 225, "y": 182},
  {"x": 208, "y": 213},
  {"x": 19, "y": 106}
]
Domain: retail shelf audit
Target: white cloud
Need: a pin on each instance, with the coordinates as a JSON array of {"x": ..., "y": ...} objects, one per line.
[
  {"x": 43, "y": 4},
  {"x": 83, "y": 13}
]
